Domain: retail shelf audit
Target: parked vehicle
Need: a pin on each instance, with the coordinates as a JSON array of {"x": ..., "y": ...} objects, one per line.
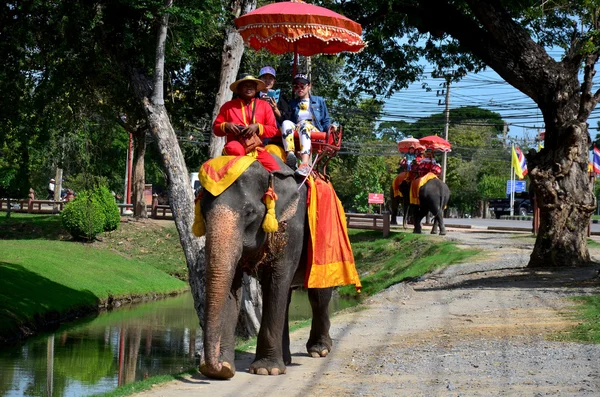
[
  {"x": 195, "y": 182},
  {"x": 501, "y": 206}
]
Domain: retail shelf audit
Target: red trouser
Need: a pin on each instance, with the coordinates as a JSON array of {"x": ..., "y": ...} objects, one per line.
[{"x": 235, "y": 148}]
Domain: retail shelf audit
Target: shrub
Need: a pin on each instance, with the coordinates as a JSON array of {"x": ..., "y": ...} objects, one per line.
[
  {"x": 109, "y": 207},
  {"x": 84, "y": 217}
]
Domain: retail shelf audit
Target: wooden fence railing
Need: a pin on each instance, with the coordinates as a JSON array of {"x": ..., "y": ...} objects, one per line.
[
  {"x": 155, "y": 210},
  {"x": 32, "y": 206},
  {"x": 370, "y": 222}
]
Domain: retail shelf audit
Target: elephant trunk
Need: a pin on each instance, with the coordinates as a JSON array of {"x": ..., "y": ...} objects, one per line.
[{"x": 223, "y": 252}]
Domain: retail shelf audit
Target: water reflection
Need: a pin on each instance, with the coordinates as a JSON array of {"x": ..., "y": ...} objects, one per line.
[{"x": 98, "y": 354}]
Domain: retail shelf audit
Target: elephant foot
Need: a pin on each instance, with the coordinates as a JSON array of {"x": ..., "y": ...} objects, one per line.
[
  {"x": 267, "y": 367},
  {"x": 442, "y": 232},
  {"x": 434, "y": 232},
  {"x": 318, "y": 350},
  {"x": 415, "y": 231},
  {"x": 222, "y": 371}
]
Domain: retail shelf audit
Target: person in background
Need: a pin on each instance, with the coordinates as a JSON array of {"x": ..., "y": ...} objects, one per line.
[
  {"x": 309, "y": 113},
  {"x": 51, "y": 187},
  {"x": 407, "y": 160}
]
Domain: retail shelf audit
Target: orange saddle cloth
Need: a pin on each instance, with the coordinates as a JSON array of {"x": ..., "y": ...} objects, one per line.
[
  {"x": 330, "y": 259},
  {"x": 416, "y": 185}
]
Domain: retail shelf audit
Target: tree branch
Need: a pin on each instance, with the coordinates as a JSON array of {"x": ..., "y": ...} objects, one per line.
[
  {"x": 159, "y": 70},
  {"x": 588, "y": 101}
]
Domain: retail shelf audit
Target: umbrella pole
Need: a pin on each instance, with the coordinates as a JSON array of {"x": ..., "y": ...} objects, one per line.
[{"x": 295, "y": 59}]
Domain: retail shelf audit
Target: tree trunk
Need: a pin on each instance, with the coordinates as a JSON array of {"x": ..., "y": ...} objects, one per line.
[
  {"x": 181, "y": 200},
  {"x": 251, "y": 309},
  {"x": 565, "y": 197},
  {"x": 180, "y": 193},
  {"x": 233, "y": 49},
  {"x": 139, "y": 179}
]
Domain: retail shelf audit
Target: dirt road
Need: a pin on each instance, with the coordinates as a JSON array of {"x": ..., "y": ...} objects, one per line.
[{"x": 477, "y": 329}]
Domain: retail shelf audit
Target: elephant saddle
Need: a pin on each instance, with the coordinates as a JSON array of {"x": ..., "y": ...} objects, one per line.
[
  {"x": 218, "y": 174},
  {"x": 416, "y": 185},
  {"x": 330, "y": 258},
  {"x": 401, "y": 177}
]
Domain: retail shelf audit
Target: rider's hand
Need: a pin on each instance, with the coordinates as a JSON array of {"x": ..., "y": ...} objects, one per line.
[
  {"x": 231, "y": 128},
  {"x": 273, "y": 104},
  {"x": 251, "y": 129}
]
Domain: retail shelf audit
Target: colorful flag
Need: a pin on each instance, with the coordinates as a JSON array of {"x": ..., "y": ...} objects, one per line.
[
  {"x": 596, "y": 160},
  {"x": 519, "y": 162}
]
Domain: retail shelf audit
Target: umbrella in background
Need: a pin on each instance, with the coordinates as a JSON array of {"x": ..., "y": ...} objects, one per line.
[
  {"x": 410, "y": 142},
  {"x": 305, "y": 29},
  {"x": 436, "y": 143}
]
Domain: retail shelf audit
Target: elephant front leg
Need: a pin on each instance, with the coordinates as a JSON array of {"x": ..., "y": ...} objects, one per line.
[
  {"x": 319, "y": 343},
  {"x": 225, "y": 369},
  {"x": 418, "y": 215}
]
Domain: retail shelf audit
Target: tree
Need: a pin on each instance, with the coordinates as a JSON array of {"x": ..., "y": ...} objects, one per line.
[
  {"x": 231, "y": 57},
  {"x": 512, "y": 38}
]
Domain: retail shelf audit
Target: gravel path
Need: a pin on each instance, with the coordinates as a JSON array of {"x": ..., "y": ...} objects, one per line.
[{"x": 477, "y": 329}]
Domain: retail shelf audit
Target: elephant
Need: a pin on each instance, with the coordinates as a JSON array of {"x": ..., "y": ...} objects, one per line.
[
  {"x": 433, "y": 196},
  {"x": 236, "y": 243}
]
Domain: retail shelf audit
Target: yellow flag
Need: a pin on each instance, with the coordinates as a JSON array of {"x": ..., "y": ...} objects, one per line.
[{"x": 516, "y": 164}]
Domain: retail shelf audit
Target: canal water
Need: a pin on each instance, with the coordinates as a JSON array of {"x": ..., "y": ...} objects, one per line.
[{"x": 95, "y": 355}]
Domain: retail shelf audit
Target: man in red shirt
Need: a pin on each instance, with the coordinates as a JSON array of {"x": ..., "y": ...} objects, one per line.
[{"x": 245, "y": 116}]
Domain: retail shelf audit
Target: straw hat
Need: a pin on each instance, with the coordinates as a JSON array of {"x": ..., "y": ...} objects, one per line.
[{"x": 260, "y": 85}]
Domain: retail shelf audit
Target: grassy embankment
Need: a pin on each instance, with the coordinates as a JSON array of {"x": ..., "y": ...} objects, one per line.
[{"x": 45, "y": 279}]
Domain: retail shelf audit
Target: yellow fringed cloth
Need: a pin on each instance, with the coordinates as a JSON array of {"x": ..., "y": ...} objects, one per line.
[
  {"x": 415, "y": 187},
  {"x": 215, "y": 176},
  {"x": 219, "y": 173},
  {"x": 330, "y": 258},
  {"x": 401, "y": 177}
]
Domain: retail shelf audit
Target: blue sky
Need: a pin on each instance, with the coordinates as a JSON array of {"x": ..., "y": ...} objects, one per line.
[{"x": 486, "y": 90}]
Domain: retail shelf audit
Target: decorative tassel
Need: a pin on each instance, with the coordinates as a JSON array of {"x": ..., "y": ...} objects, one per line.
[
  {"x": 270, "y": 224},
  {"x": 198, "y": 228}
]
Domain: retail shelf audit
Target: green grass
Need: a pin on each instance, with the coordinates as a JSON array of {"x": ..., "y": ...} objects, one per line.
[
  {"x": 382, "y": 262},
  {"x": 22, "y": 226},
  {"x": 154, "y": 243},
  {"x": 38, "y": 277},
  {"x": 146, "y": 384},
  {"x": 587, "y": 314}
]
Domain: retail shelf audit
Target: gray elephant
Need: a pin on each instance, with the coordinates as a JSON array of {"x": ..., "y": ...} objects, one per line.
[
  {"x": 236, "y": 243},
  {"x": 433, "y": 197}
]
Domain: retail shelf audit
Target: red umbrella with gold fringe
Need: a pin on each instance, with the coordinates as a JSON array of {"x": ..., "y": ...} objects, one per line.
[
  {"x": 436, "y": 143},
  {"x": 305, "y": 29}
]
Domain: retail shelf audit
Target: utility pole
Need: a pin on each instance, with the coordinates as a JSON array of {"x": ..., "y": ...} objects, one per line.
[{"x": 446, "y": 125}]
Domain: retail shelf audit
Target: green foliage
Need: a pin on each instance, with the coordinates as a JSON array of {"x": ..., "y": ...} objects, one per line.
[
  {"x": 84, "y": 217},
  {"x": 111, "y": 212},
  {"x": 491, "y": 186},
  {"x": 82, "y": 182}
]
